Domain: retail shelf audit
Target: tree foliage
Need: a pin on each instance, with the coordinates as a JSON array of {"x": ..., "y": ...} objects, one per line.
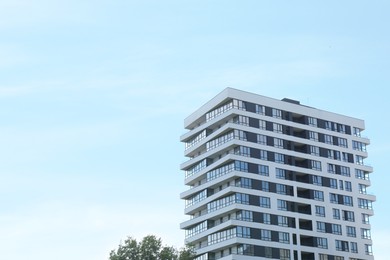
[{"x": 150, "y": 248}]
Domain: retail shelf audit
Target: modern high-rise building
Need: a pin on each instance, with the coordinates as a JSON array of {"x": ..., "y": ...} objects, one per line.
[{"x": 275, "y": 179}]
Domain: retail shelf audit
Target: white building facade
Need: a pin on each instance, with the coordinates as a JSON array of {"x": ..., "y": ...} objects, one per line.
[{"x": 274, "y": 179}]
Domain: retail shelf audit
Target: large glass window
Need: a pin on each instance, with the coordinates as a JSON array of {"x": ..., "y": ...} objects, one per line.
[
  {"x": 345, "y": 171},
  {"x": 324, "y": 257},
  {"x": 354, "y": 247},
  {"x": 241, "y": 166},
  {"x": 219, "y": 141},
  {"x": 262, "y": 124},
  {"x": 330, "y": 154},
  {"x": 359, "y": 146},
  {"x": 351, "y": 231},
  {"x": 336, "y": 213},
  {"x": 348, "y": 186},
  {"x": 243, "y": 151},
  {"x": 278, "y": 128},
  {"x": 313, "y": 136},
  {"x": 282, "y": 221},
  {"x": 197, "y": 168},
  {"x": 320, "y": 211},
  {"x": 322, "y": 242},
  {"x": 284, "y": 237},
  {"x": 265, "y": 234},
  {"x": 242, "y": 198},
  {"x": 344, "y": 157},
  {"x": 314, "y": 150},
  {"x": 262, "y": 139},
  {"x": 265, "y": 202},
  {"x": 333, "y": 183},
  {"x": 342, "y": 245},
  {"x": 223, "y": 235},
  {"x": 196, "y": 139},
  {"x": 263, "y": 170},
  {"x": 359, "y": 159},
  {"x": 331, "y": 168},
  {"x": 263, "y": 155},
  {"x": 364, "y": 203},
  {"x": 284, "y": 254},
  {"x": 277, "y": 113},
  {"x": 334, "y": 198},
  {"x": 368, "y": 249},
  {"x": 341, "y": 128},
  {"x": 244, "y": 215},
  {"x": 328, "y": 125},
  {"x": 316, "y": 165},
  {"x": 281, "y": 189},
  {"x": 328, "y": 139},
  {"x": 317, "y": 180},
  {"x": 224, "y": 202},
  {"x": 243, "y": 232},
  {"x": 266, "y": 218},
  {"x": 260, "y": 109},
  {"x": 312, "y": 121},
  {"x": 244, "y": 183},
  {"x": 365, "y": 218},
  {"x": 244, "y": 250},
  {"x": 341, "y": 184},
  {"x": 357, "y": 131},
  {"x": 362, "y": 188},
  {"x": 321, "y": 226},
  {"x": 278, "y": 143},
  {"x": 348, "y": 201},
  {"x": 279, "y": 158},
  {"x": 348, "y": 215},
  {"x": 218, "y": 172},
  {"x": 360, "y": 174},
  {"x": 241, "y": 135},
  {"x": 197, "y": 198},
  {"x": 222, "y": 109},
  {"x": 342, "y": 142},
  {"x": 366, "y": 233},
  {"x": 336, "y": 229},
  {"x": 337, "y": 155},
  {"x": 197, "y": 229},
  {"x": 265, "y": 186},
  {"x": 282, "y": 205},
  {"x": 280, "y": 173},
  {"x": 318, "y": 195},
  {"x": 241, "y": 120}
]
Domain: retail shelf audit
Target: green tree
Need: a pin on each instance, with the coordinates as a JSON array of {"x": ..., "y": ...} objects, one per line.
[
  {"x": 186, "y": 253},
  {"x": 128, "y": 251},
  {"x": 150, "y": 248},
  {"x": 168, "y": 253}
]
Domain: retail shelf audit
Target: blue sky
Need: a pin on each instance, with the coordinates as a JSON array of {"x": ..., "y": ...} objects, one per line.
[{"x": 93, "y": 95}]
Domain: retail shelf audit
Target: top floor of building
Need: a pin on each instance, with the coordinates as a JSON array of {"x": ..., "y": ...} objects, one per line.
[{"x": 285, "y": 109}]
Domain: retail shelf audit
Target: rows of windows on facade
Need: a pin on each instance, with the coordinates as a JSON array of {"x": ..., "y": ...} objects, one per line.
[{"x": 274, "y": 179}]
